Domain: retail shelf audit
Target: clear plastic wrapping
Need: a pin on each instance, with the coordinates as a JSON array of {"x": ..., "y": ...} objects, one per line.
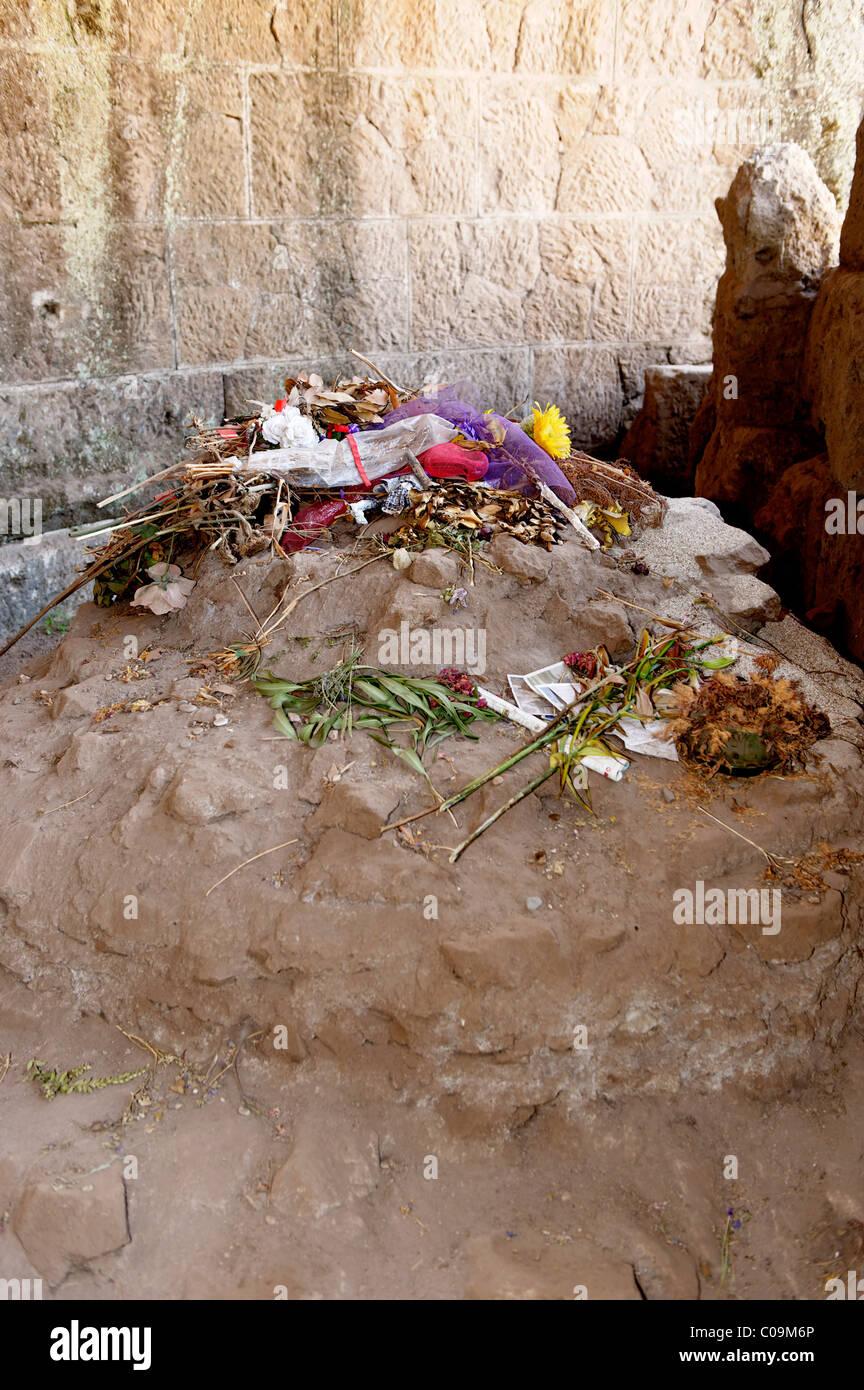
[{"x": 332, "y": 462}]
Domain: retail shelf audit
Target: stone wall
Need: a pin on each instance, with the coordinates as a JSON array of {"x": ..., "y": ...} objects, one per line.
[{"x": 197, "y": 194}]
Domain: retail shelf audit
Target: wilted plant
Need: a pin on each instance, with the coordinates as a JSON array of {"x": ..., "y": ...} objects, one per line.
[{"x": 741, "y": 725}]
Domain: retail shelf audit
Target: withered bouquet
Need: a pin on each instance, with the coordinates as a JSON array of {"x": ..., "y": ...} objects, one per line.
[
  {"x": 360, "y": 401},
  {"x": 482, "y": 512},
  {"x": 308, "y": 411},
  {"x": 743, "y": 726}
]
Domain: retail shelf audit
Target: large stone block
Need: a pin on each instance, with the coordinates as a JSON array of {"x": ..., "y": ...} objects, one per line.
[
  {"x": 231, "y": 31},
  {"x": 218, "y": 271},
  {"x": 469, "y": 281},
  {"x": 333, "y": 285},
  {"x": 545, "y": 36},
  {"x": 102, "y": 430},
  {"x": 443, "y": 34},
  {"x": 28, "y": 154},
  {"x": 664, "y": 313},
  {"x": 259, "y": 291},
  {"x": 585, "y": 383},
  {"x": 671, "y": 251},
  {"x": 142, "y": 113},
  {"x": 361, "y": 145},
  {"x": 149, "y": 28},
  {"x": 31, "y": 573},
  {"x": 59, "y": 323},
  {"x": 604, "y": 174},
  {"x": 583, "y": 289},
  {"x": 502, "y": 375},
  {"x": 662, "y": 38},
  {"x": 678, "y": 130},
  {"x": 524, "y": 130},
  {"x": 566, "y": 37},
  {"x": 130, "y": 324},
  {"x": 211, "y": 174},
  {"x": 802, "y": 109},
  {"x": 306, "y": 35},
  {"x": 672, "y": 258},
  {"x": 495, "y": 281},
  {"x": 657, "y": 443},
  {"x": 731, "y": 45},
  {"x": 831, "y": 43},
  {"x": 39, "y": 320}
]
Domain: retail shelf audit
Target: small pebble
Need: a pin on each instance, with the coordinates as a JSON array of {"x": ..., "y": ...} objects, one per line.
[
  {"x": 668, "y": 795},
  {"x": 532, "y": 904},
  {"x": 220, "y": 719},
  {"x": 243, "y": 1110}
]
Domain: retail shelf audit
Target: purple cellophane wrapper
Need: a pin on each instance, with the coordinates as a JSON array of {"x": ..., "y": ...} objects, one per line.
[{"x": 511, "y": 463}]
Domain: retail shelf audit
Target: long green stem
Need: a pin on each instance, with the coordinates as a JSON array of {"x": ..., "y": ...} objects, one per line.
[
  {"x": 502, "y": 810},
  {"x": 550, "y": 734}
]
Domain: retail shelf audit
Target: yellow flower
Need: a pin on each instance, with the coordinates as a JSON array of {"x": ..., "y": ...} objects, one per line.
[
  {"x": 548, "y": 428},
  {"x": 617, "y": 519}
]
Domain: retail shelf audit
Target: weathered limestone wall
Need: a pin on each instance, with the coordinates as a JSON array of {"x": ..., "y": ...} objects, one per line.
[{"x": 197, "y": 193}]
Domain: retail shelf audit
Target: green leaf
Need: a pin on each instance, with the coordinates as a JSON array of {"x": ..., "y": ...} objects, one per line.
[
  {"x": 376, "y": 721},
  {"x": 410, "y": 757},
  {"x": 284, "y": 725},
  {"x": 271, "y": 687},
  {"x": 403, "y": 691},
  {"x": 373, "y": 695}
]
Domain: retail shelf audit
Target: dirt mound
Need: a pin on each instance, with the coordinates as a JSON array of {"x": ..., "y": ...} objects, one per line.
[
  {"x": 544, "y": 971},
  {"x": 553, "y": 922}
]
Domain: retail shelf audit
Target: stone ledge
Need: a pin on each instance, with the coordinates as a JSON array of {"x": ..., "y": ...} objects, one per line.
[{"x": 32, "y": 571}]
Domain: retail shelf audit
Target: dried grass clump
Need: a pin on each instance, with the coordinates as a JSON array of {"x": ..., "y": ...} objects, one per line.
[
  {"x": 606, "y": 484},
  {"x": 743, "y": 726}
]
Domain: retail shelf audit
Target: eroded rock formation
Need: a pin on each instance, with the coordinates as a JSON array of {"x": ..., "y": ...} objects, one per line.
[{"x": 786, "y": 406}]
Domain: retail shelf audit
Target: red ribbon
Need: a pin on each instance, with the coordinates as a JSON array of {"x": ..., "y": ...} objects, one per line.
[{"x": 358, "y": 462}]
